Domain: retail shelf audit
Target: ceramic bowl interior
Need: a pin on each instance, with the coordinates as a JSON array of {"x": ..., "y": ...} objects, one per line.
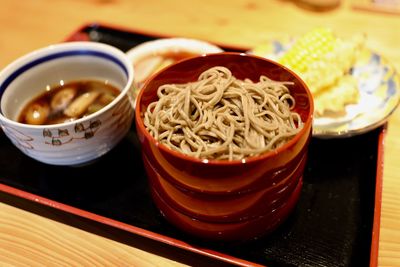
[
  {"x": 172, "y": 45},
  {"x": 149, "y": 57},
  {"x": 33, "y": 74},
  {"x": 221, "y": 199}
]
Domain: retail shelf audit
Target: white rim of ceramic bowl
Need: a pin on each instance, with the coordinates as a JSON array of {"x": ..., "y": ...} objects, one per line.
[
  {"x": 171, "y": 44},
  {"x": 102, "y": 50}
]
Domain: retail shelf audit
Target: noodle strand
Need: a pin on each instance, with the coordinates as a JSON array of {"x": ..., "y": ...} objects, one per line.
[{"x": 221, "y": 117}]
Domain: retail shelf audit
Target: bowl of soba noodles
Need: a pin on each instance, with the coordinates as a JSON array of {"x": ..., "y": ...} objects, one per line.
[
  {"x": 224, "y": 142},
  {"x": 67, "y": 104}
]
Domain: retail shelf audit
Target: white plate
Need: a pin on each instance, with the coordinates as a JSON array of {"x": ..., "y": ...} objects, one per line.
[
  {"x": 379, "y": 86},
  {"x": 161, "y": 46},
  {"x": 171, "y": 44}
]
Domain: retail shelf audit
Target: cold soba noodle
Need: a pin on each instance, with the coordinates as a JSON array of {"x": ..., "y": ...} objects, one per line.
[{"x": 221, "y": 117}]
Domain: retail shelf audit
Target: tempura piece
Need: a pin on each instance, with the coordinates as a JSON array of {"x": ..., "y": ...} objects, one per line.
[{"x": 323, "y": 61}]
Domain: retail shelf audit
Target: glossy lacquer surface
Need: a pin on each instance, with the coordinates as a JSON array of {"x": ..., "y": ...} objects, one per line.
[{"x": 232, "y": 200}]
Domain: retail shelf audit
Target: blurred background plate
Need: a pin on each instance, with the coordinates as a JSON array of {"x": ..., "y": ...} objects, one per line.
[{"x": 379, "y": 86}]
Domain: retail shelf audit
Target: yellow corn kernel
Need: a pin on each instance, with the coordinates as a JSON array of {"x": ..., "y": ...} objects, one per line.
[
  {"x": 320, "y": 58},
  {"x": 309, "y": 48}
]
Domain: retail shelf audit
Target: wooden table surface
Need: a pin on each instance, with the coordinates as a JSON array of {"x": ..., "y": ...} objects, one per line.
[{"x": 29, "y": 238}]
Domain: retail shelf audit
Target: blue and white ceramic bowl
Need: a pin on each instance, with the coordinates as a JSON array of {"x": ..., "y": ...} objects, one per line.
[{"x": 70, "y": 143}]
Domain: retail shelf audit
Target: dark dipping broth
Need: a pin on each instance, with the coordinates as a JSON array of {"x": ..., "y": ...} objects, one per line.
[{"x": 68, "y": 102}]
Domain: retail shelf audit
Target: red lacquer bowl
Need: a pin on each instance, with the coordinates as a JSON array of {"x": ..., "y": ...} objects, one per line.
[{"x": 252, "y": 195}]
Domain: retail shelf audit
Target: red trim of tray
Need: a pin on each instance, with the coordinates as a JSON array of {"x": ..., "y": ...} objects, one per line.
[
  {"x": 78, "y": 35},
  {"x": 378, "y": 200},
  {"x": 123, "y": 226}
]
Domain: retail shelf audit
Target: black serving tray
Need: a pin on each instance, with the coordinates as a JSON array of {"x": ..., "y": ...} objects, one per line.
[{"x": 332, "y": 224}]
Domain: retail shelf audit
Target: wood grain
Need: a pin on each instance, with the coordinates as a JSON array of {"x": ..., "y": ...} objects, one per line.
[{"x": 29, "y": 239}]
